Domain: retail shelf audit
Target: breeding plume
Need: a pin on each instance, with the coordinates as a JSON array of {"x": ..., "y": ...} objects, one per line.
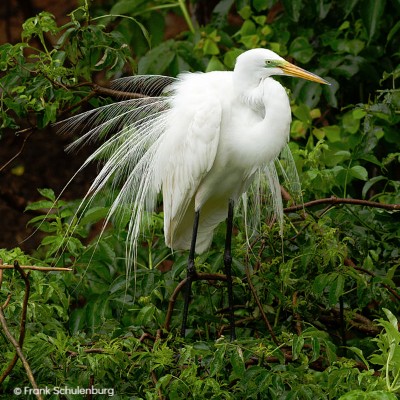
[{"x": 202, "y": 141}]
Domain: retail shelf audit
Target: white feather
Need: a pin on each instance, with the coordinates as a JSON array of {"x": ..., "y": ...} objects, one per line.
[{"x": 201, "y": 139}]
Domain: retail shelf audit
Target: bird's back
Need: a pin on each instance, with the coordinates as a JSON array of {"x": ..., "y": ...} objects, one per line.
[
  {"x": 188, "y": 151},
  {"x": 212, "y": 147}
]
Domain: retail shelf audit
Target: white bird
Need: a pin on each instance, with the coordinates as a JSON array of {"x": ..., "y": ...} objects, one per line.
[{"x": 201, "y": 142}]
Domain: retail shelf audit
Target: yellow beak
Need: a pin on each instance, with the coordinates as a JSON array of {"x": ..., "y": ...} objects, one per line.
[{"x": 293, "y": 70}]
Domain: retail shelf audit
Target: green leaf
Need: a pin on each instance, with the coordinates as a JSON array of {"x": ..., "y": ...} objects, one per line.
[
  {"x": 76, "y": 320},
  {"x": 332, "y": 132},
  {"x": 293, "y": 8},
  {"x": 392, "y": 319},
  {"x": 48, "y": 194},
  {"x": 301, "y": 50},
  {"x": 261, "y": 5},
  {"x": 393, "y": 31},
  {"x": 350, "y": 123},
  {"x": 370, "y": 395},
  {"x": 336, "y": 289},
  {"x": 210, "y": 47},
  {"x": 157, "y": 60},
  {"x": 145, "y": 315},
  {"x": 371, "y": 13},
  {"x": 316, "y": 348},
  {"x": 231, "y": 56},
  {"x": 297, "y": 346},
  {"x": 215, "y": 65},
  {"x": 248, "y": 28},
  {"x": 359, "y": 172},
  {"x": 94, "y": 215},
  {"x": 245, "y": 12},
  {"x": 360, "y": 354},
  {"x": 40, "y": 205},
  {"x": 217, "y": 361},
  {"x": 371, "y": 183},
  {"x": 237, "y": 362},
  {"x": 321, "y": 282}
]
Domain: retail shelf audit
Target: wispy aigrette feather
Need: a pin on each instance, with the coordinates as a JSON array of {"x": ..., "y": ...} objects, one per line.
[
  {"x": 203, "y": 140},
  {"x": 131, "y": 134}
]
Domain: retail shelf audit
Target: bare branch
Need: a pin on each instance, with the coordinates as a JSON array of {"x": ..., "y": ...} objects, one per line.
[
  {"x": 12, "y": 340},
  {"x": 35, "y": 268},
  {"x": 182, "y": 283},
  {"x": 338, "y": 200}
]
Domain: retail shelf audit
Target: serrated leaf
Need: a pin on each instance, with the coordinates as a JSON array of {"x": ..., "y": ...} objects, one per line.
[
  {"x": 47, "y": 193},
  {"x": 40, "y": 205},
  {"x": 76, "y": 320},
  {"x": 94, "y": 215},
  {"x": 157, "y": 60},
  {"x": 237, "y": 362},
  {"x": 392, "y": 319},
  {"x": 336, "y": 289},
  {"x": 297, "y": 346},
  {"x": 145, "y": 315},
  {"x": 321, "y": 282},
  {"x": 217, "y": 361},
  {"x": 360, "y": 354}
]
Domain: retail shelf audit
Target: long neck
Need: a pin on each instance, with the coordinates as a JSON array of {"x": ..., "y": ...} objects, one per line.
[
  {"x": 277, "y": 114},
  {"x": 270, "y": 102},
  {"x": 246, "y": 83}
]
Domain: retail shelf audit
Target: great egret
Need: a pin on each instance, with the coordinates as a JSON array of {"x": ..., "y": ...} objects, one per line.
[{"x": 202, "y": 141}]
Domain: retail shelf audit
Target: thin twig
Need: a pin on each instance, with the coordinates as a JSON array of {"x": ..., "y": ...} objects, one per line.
[
  {"x": 338, "y": 200},
  {"x": 260, "y": 307},
  {"x": 1, "y": 273},
  {"x": 199, "y": 276},
  {"x": 22, "y": 324},
  {"x": 348, "y": 262},
  {"x": 89, "y": 395},
  {"x": 35, "y": 268},
  {"x": 13, "y": 341},
  {"x": 296, "y": 315},
  {"x": 19, "y": 152},
  {"x": 117, "y": 93},
  {"x": 155, "y": 380},
  {"x": 19, "y": 352},
  {"x": 87, "y": 351}
]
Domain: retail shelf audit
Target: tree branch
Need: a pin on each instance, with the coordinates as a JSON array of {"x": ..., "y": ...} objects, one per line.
[
  {"x": 182, "y": 283},
  {"x": 35, "y": 268},
  {"x": 18, "y": 345},
  {"x": 338, "y": 200}
]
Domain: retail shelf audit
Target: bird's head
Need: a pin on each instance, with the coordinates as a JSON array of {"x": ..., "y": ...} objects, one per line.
[{"x": 262, "y": 63}]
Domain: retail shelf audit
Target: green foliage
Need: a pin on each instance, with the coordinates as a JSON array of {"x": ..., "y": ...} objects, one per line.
[{"x": 104, "y": 324}]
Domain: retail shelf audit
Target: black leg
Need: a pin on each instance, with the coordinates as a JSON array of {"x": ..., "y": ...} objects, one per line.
[
  {"x": 191, "y": 272},
  {"x": 228, "y": 267}
]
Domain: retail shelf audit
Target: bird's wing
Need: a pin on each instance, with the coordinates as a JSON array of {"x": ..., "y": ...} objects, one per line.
[
  {"x": 130, "y": 131},
  {"x": 190, "y": 161}
]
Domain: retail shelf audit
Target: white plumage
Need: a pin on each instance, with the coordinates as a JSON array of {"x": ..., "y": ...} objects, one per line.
[{"x": 201, "y": 142}]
